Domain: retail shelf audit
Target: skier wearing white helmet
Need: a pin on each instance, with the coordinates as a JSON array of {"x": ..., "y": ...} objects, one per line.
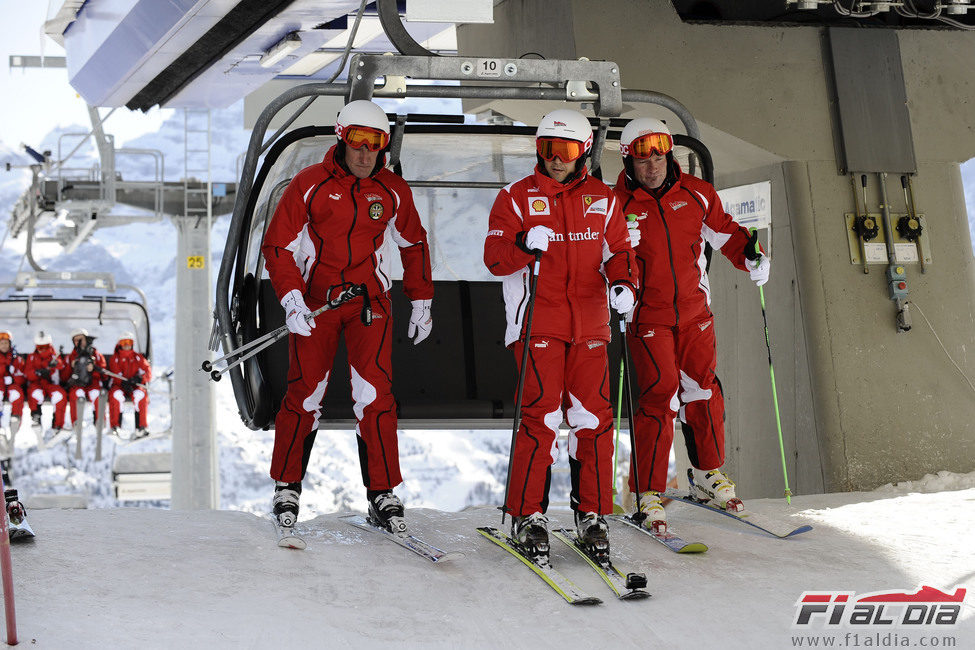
[
  {"x": 43, "y": 370},
  {"x": 671, "y": 335},
  {"x": 333, "y": 226},
  {"x": 574, "y": 222}
]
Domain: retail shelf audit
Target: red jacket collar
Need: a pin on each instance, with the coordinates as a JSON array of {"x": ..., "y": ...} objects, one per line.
[
  {"x": 639, "y": 192},
  {"x": 551, "y": 187}
]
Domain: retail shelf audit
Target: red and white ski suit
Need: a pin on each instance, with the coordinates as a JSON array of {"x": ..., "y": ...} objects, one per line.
[
  {"x": 330, "y": 228},
  {"x": 43, "y": 371},
  {"x": 131, "y": 365},
  {"x": 567, "y": 362},
  {"x": 671, "y": 336},
  {"x": 12, "y": 381},
  {"x": 91, "y": 391}
]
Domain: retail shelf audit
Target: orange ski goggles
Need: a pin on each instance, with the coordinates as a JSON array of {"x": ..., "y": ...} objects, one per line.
[
  {"x": 648, "y": 144},
  {"x": 126, "y": 342},
  {"x": 365, "y": 136},
  {"x": 564, "y": 150},
  {"x": 4, "y": 336}
]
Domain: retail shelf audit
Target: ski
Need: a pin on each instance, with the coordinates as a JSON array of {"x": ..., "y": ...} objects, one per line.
[
  {"x": 770, "y": 525},
  {"x": 668, "y": 538},
  {"x": 287, "y": 537},
  {"x": 407, "y": 541},
  {"x": 562, "y": 585},
  {"x": 626, "y": 586}
]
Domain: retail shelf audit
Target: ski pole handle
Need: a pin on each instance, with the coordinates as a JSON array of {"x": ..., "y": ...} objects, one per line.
[{"x": 263, "y": 342}]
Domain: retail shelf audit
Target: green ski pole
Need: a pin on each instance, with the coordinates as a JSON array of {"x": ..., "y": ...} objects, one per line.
[{"x": 771, "y": 372}]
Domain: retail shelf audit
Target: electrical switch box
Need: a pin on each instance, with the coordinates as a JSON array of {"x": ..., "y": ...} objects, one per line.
[{"x": 897, "y": 282}]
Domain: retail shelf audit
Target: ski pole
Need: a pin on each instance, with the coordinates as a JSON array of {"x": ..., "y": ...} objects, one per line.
[
  {"x": 619, "y": 417},
  {"x": 106, "y": 371},
  {"x": 771, "y": 372},
  {"x": 519, "y": 392},
  {"x": 639, "y": 515},
  {"x": 619, "y": 400},
  {"x": 271, "y": 337}
]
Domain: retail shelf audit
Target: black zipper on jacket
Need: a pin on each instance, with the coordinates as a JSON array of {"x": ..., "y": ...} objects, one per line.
[
  {"x": 355, "y": 216},
  {"x": 670, "y": 254}
]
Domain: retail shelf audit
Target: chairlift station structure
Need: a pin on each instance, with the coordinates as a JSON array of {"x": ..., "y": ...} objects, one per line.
[{"x": 855, "y": 125}]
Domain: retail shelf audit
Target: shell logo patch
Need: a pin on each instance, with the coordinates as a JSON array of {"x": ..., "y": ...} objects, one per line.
[
  {"x": 375, "y": 210},
  {"x": 538, "y": 206}
]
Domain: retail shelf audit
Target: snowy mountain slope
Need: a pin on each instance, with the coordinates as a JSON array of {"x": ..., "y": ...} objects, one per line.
[{"x": 218, "y": 580}]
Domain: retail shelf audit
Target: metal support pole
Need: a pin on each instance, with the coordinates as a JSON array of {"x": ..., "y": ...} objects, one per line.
[{"x": 195, "y": 451}]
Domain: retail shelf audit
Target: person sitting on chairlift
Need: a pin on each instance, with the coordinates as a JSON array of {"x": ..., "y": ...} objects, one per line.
[{"x": 137, "y": 373}]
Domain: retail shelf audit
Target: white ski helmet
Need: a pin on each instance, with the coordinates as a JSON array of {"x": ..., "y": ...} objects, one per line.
[
  {"x": 43, "y": 338},
  {"x": 80, "y": 331},
  {"x": 362, "y": 112},
  {"x": 567, "y": 124},
  {"x": 642, "y": 126}
]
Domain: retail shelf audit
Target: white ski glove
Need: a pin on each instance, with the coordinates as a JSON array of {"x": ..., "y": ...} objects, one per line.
[
  {"x": 759, "y": 270},
  {"x": 538, "y": 237},
  {"x": 295, "y": 312},
  {"x": 633, "y": 229},
  {"x": 421, "y": 321},
  {"x": 621, "y": 298}
]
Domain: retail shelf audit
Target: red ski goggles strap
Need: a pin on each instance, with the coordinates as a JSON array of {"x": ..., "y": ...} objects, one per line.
[
  {"x": 365, "y": 136},
  {"x": 564, "y": 150},
  {"x": 648, "y": 144}
]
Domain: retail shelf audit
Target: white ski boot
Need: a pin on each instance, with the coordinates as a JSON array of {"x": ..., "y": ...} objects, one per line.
[
  {"x": 652, "y": 511},
  {"x": 593, "y": 532},
  {"x": 713, "y": 486}
]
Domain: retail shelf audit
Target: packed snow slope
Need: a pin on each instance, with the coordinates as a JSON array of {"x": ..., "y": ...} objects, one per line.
[{"x": 145, "y": 578}]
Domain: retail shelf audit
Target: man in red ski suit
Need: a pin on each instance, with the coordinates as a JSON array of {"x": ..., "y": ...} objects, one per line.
[
  {"x": 11, "y": 387},
  {"x": 43, "y": 370},
  {"x": 332, "y": 227},
  {"x": 138, "y": 373},
  {"x": 671, "y": 334},
  {"x": 574, "y": 220},
  {"x": 83, "y": 382}
]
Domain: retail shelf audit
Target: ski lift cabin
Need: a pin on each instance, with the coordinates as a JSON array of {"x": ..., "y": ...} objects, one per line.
[
  {"x": 58, "y": 302},
  {"x": 462, "y": 375}
]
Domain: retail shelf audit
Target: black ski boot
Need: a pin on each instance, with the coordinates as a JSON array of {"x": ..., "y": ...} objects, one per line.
[
  {"x": 386, "y": 511},
  {"x": 593, "y": 533},
  {"x": 284, "y": 505},
  {"x": 531, "y": 533},
  {"x": 15, "y": 509}
]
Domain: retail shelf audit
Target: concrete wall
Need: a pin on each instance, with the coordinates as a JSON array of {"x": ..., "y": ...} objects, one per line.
[{"x": 861, "y": 404}]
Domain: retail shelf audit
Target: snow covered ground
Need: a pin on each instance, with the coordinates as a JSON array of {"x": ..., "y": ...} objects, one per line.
[{"x": 145, "y": 579}]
